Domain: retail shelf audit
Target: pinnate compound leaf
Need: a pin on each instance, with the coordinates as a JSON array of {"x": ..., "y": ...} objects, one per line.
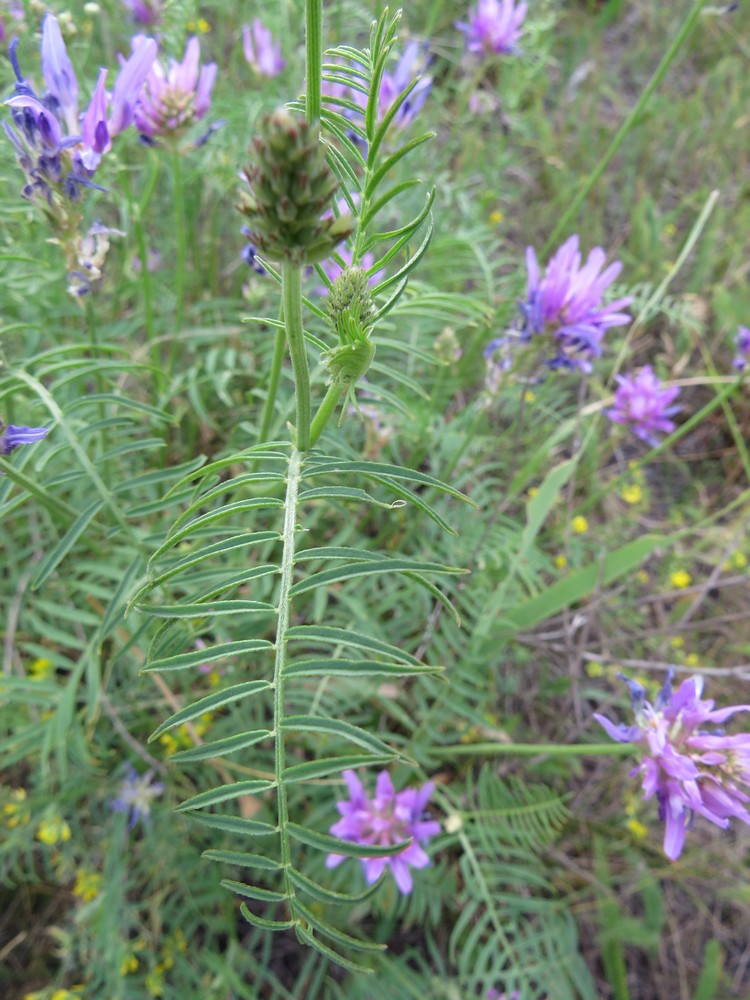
[{"x": 209, "y": 703}]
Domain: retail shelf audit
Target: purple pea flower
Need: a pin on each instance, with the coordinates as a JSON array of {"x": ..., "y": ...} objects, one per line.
[
  {"x": 392, "y": 85},
  {"x": 174, "y": 98},
  {"x": 387, "y": 819},
  {"x": 145, "y": 12},
  {"x": 13, "y": 437},
  {"x": 642, "y": 402},
  {"x": 742, "y": 346},
  {"x": 493, "y": 27},
  {"x": 58, "y": 73},
  {"x": 260, "y": 51},
  {"x": 567, "y": 303},
  {"x": 689, "y": 770},
  {"x": 136, "y": 794}
]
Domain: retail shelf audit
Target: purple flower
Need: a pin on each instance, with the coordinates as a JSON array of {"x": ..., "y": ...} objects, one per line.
[
  {"x": 392, "y": 85},
  {"x": 642, "y": 402},
  {"x": 333, "y": 269},
  {"x": 173, "y": 99},
  {"x": 58, "y": 73},
  {"x": 260, "y": 51},
  {"x": 495, "y": 26},
  {"x": 742, "y": 346},
  {"x": 567, "y": 303},
  {"x": 688, "y": 769},
  {"x": 12, "y": 437},
  {"x": 386, "y": 819},
  {"x": 145, "y": 12},
  {"x": 136, "y": 794}
]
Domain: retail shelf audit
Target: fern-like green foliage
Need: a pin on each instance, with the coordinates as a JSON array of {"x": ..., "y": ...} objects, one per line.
[{"x": 264, "y": 595}]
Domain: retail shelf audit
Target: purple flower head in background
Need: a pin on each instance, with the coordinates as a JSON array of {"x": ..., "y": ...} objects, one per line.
[
  {"x": 689, "y": 770},
  {"x": 145, "y": 12},
  {"x": 12, "y": 437},
  {"x": 493, "y": 27},
  {"x": 742, "y": 346},
  {"x": 137, "y": 791},
  {"x": 407, "y": 71},
  {"x": 388, "y": 818},
  {"x": 260, "y": 50},
  {"x": 174, "y": 98},
  {"x": 56, "y": 151},
  {"x": 643, "y": 403},
  {"x": 566, "y": 302}
]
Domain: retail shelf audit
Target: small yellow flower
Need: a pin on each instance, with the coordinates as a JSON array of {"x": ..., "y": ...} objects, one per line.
[
  {"x": 531, "y": 492},
  {"x": 214, "y": 678},
  {"x": 71, "y": 994},
  {"x": 529, "y": 396},
  {"x": 53, "y": 829},
  {"x": 594, "y": 669},
  {"x": 199, "y": 27},
  {"x": 40, "y": 669},
  {"x": 670, "y": 229},
  {"x": 88, "y": 885},
  {"x": 579, "y": 525},
  {"x": 632, "y": 494},
  {"x": 129, "y": 964},
  {"x": 637, "y": 828},
  {"x": 15, "y": 811},
  {"x": 739, "y": 560},
  {"x": 681, "y": 579},
  {"x": 677, "y": 642},
  {"x": 169, "y": 743},
  {"x": 692, "y": 659},
  {"x": 496, "y": 217},
  {"x": 642, "y": 576},
  {"x": 561, "y": 561}
]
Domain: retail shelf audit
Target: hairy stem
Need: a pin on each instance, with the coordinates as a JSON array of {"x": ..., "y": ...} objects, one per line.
[
  {"x": 291, "y": 288},
  {"x": 325, "y": 412},
  {"x": 181, "y": 253},
  {"x": 273, "y": 383}
]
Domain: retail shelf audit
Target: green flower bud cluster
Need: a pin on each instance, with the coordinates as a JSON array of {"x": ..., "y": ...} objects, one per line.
[
  {"x": 291, "y": 186},
  {"x": 351, "y": 313}
]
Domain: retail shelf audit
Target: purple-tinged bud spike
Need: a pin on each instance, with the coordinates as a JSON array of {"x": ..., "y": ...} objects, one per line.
[
  {"x": 94, "y": 127},
  {"x": 58, "y": 72},
  {"x": 128, "y": 85}
]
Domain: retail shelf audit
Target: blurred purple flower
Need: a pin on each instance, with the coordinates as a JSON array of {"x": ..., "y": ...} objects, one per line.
[
  {"x": 742, "y": 346},
  {"x": 567, "y": 303},
  {"x": 136, "y": 794},
  {"x": 494, "y": 26},
  {"x": 173, "y": 99},
  {"x": 260, "y": 51},
  {"x": 12, "y": 437},
  {"x": 59, "y": 74},
  {"x": 145, "y": 12},
  {"x": 688, "y": 769},
  {"x": 333, "y": 269},
  {"x": 409, "y": 68},
  {"x": 387, "y": 819},
  {"x": 642, "y": 402}
]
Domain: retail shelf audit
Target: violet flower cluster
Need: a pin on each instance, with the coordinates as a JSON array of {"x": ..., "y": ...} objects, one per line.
[
  {"x": 388, "y": 818},
  {"x": 58, "y": 152},
  {"x": 494, "y": 26},
  {"x": 742, "y": 348},
  {"x": 175, "y": 97},
  {"x": 689, "y": 769},
  {"x": 136, "y": 794},
  {"x": 12, "y": 437},
  {"x": 261, "y": 52},
  {"x": 644, "y": 403}
]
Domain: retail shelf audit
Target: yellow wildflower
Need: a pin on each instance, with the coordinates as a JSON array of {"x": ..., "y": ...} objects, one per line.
[
  {"x": 681, "y": 579},
  {"x": 692, "y": 660},
  {"x": 40, "y": 669},
  {"x": 677, "y": 642},
  {"x": 53, "y": 829},
  {"x": 496, "y": 217},
  {"x": 637, "y": 828},
  {"x": 579, "y": 525},
  {"x": 632, "y": 494},
  {"x": 594, "y": 669},
  {"x": 739, "y": 560},
  {"x": 670, "y": 229},
  {"x": 529, "y": 396},
  {"x": 531, "y": 492},
  {"x": 561, "y": 561},
  {"x": 129, "y": 964},
  {"x": 169, "y": 743},
  {"x": 15, "y": 812},
  {"x": 642, "y": 576},
  {"x": 199, "y": 27},
  {"x": 88, "y": 885}
]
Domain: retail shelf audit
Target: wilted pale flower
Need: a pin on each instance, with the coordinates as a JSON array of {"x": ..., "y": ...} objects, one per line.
[
  {"x": 12, "y": 437},
  {"x": 260, "y": 50},
  {"x": 689, "y": 769},
  {"x": 136, "y": 794},
  {"x": 174, "y": 98},
  {"x": 642, "y": 402},
  {"x": 495, "y": 26},
  {"x": 387, "y": 819},
  {"x": 567, "y": 303},
  {"x": 742, "y": 346}
]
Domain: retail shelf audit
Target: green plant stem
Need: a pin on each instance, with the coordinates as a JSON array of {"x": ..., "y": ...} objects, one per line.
[
  {"x": 146, "y": 288},
  {"x": 180, "y": 255},
  {"x": 313, "y": 58},
  {"x": 661, "y": 71},
  {"x": 324, "y": 414},
  {"x": 538, "y": 749},
  {"x": 291, "y": 292},
  {"x": 287, "y": 576},
  {"x": 274, "y": 376}
]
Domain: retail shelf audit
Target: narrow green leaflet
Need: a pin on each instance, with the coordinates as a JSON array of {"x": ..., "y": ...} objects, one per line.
[
  {"x": 208, "y": 704},
  {"x": 225, "y": 793},
  {"x": 208, "y": 654}
]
